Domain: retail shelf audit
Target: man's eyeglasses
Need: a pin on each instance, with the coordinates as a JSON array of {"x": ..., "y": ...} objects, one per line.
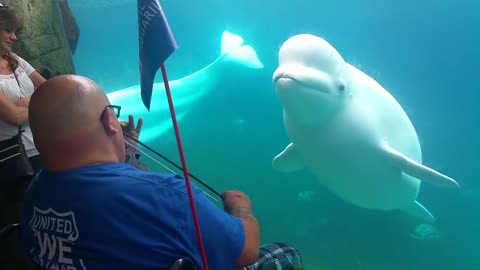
[{"x": 115, "y": 108}]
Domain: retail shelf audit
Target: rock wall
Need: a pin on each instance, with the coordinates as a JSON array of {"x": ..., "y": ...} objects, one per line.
[{"x": 50, "y": 35}]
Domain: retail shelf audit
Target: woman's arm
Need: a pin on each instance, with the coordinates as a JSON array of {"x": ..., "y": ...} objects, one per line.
[
  {"x": 10, "y": 112},
  {"x": 37, "y": 80},
  {"x": 23, "y": 102}
]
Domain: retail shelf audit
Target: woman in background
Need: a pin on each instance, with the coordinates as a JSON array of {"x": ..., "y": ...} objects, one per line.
[{"x": 18, "y": 81}]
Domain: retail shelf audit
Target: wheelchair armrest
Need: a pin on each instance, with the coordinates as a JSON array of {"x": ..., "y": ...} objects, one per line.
[
  {"x": 184, "y": 263},
  {"x": 9, "y": 229}
]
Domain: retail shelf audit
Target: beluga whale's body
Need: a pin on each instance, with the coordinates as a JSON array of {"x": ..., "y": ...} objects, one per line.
[
  {"x": 187, "y": 91},
  {"x": 348, "y": 130}
]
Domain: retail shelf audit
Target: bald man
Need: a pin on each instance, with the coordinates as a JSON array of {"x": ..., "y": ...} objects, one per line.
[{"x": 89, "y": 210}]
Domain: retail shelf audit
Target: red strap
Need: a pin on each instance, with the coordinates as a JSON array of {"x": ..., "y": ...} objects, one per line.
[{"x": 184, "y": 165}]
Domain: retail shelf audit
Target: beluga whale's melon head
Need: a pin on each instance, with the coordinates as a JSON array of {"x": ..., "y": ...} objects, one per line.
[{"x": 311, "y": 80}]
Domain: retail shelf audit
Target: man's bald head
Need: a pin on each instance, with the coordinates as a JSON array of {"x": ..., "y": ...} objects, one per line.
[
  {"x": 65, "y": 111},
  {"x": 64, "y": 104}
]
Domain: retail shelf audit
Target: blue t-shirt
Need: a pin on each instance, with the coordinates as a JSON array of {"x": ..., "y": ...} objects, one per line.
[{"x": 113, "y": 216}]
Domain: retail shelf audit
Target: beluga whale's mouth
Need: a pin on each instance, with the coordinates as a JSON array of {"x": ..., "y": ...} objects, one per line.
[
  {"x": 282, "y": 76},
  {"x": 303, "y": 78}
]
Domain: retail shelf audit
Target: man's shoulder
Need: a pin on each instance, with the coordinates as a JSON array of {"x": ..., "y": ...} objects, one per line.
[
  {"x": 114, "y": 171},
  {"x": 169, "y": 180},
  {"x": 113, "y": 176}
]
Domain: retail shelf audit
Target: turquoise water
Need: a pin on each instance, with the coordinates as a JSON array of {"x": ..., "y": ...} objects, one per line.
[{"x": 424, "y": 52}]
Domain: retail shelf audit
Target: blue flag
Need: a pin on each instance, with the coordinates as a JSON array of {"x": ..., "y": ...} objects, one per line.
[{"x": 156, "y": 44}]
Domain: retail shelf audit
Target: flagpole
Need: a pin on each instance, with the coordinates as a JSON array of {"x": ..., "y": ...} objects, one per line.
[
  {"x": 184, "y": 165},
  {"x": 156, "y": 43}
]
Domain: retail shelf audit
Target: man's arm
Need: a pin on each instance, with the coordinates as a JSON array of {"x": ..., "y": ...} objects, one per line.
[{"x": 238, "y": 204}]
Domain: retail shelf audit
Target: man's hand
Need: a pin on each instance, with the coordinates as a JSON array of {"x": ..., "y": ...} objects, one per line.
[
  {"x": 237, "y": 203},
  {"x": 130, "y": 129}
]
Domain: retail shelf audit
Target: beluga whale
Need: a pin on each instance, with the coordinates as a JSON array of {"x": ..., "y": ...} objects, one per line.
[
  {"x": 348, "y": 130},
  {"x": 187, "y": 91}
]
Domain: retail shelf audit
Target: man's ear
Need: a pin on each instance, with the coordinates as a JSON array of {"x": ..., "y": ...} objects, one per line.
[{"x": 109, "y": 122}]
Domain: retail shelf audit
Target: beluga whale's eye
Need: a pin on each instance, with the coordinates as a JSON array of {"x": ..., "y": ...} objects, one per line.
[{"x": 341, "y": 85}]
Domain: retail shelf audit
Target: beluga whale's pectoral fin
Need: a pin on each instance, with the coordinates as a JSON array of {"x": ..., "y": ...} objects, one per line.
[
  {"x": 419, "y": 211},
  {"x": 415, "y": 169},
  {"x": 288, "y": 160}
]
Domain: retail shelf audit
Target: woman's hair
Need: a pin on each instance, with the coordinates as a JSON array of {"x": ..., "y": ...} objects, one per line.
[{"x": 10, "y": 20}]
